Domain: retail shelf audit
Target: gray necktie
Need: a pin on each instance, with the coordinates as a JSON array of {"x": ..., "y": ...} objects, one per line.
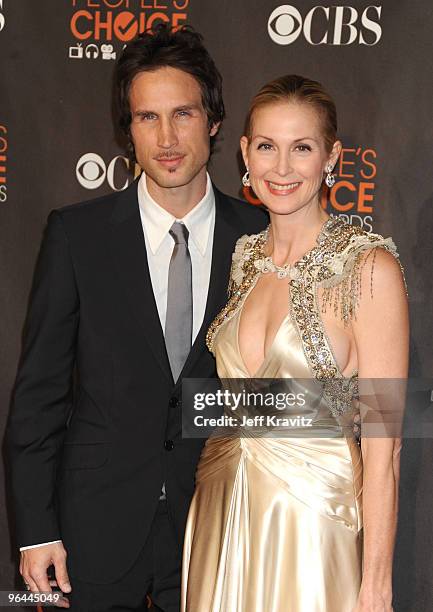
[{"x": 178, "y": 322}]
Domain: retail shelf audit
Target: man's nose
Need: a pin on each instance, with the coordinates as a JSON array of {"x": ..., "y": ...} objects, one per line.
[{"x": 167, "y": 136}]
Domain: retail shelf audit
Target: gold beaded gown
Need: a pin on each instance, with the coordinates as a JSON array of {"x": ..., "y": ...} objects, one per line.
[{"x": 275, "y": 524}]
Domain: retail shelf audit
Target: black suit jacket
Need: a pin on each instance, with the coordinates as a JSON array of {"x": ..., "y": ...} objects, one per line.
[{"x": 90, "y": 452}]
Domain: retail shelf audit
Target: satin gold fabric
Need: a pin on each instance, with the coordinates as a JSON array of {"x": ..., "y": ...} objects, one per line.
[{"x": 275, "y": 524}]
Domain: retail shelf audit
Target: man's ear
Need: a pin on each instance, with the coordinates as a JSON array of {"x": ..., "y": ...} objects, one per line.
[
  {"x": 214, "y": 128},
  {"x": 244, "y": 148}
]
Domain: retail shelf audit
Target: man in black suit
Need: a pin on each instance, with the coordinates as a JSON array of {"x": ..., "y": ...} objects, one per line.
[{"x": 124, "y": 291}]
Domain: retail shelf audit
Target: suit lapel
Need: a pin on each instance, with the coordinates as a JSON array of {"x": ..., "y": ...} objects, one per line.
[
  {"x": 129, "y": 253},
  {"x": 225, "y": 236}
]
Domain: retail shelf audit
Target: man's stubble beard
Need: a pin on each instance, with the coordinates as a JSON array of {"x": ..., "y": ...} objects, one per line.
[{"x": 175, "y": 179}]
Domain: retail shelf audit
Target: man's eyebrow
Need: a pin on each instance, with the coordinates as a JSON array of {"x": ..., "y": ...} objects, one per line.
[
  {"x": 142, "y": 111},
  {"x": 184, "y": 107}
]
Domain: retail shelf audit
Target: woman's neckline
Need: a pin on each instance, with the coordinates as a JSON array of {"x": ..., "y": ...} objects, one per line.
[{"x": 270, "y": 266}]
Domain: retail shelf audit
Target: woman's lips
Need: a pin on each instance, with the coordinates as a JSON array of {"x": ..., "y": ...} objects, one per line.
[{"x": 283, "y": 189}]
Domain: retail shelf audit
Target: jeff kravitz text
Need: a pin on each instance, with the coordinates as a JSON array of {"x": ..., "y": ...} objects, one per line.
[{"x": 258, "y": 421}]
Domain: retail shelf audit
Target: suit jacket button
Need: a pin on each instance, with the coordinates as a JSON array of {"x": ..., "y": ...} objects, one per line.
[
  {"x": 173, "y": 402},
  {"x": 169, "y": 445}
]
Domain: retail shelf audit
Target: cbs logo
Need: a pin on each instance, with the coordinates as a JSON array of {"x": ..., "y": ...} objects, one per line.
[
  {"x": 336, "y": 25},
  {"x": 91, "y": 172},
  {"x": 2, "y": 17}
]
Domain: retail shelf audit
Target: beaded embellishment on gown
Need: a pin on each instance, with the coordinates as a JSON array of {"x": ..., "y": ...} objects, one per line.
[{"x": 275, "y": 524}]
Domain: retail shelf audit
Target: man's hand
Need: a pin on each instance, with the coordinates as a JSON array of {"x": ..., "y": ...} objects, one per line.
[{"x": 33, "y": 568}]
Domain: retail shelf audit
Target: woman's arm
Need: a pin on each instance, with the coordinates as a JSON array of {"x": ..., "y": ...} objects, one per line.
[{"x": 381, "y": 332}]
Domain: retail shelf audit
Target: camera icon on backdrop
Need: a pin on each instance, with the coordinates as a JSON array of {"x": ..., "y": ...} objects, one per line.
[{"x": 108, "y": 52}]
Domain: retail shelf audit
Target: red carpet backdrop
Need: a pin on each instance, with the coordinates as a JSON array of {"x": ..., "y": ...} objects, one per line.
[{"x": 58, "y": 146}]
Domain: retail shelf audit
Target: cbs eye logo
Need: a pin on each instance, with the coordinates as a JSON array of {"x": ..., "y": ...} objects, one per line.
[
  {"x": 285, "y": 24},
  {"x": 91, "y": 172},
  {"x": 335, "y": 25},
  {"x": 2, "y": 17}
]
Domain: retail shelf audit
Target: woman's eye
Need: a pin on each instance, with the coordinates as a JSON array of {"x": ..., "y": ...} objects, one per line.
[
  {"x": 303, "y": 148},
  {"x": 265, "y": 146}
]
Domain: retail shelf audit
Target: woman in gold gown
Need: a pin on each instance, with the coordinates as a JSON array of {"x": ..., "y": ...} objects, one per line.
[{"x": 303, "y": 523}]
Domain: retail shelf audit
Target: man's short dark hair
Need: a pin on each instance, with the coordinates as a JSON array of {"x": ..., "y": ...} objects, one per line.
[{"x": 164, "y": 47}]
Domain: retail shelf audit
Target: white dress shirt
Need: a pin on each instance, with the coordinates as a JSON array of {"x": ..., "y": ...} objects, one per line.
[
  {"x": 156, "y": 222},
  {"x": 200, "y": 223}
]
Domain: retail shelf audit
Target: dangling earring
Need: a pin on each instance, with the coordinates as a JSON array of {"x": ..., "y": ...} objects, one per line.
[
  {"x": 330, "y": 178},
  {"x": 246, "y": 179}
]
